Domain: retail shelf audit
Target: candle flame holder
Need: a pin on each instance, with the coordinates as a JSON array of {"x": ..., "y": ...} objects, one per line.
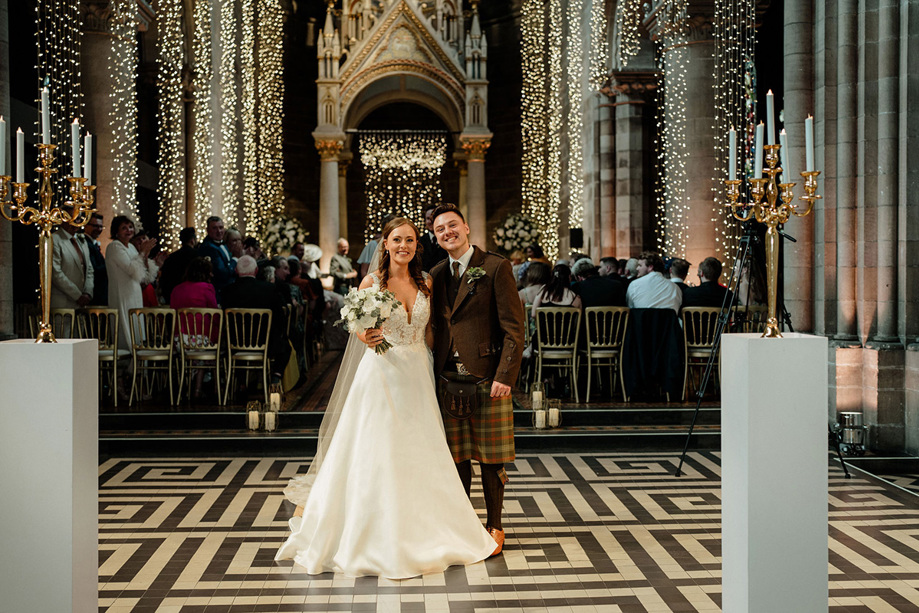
[
  {"x": 45, "y": 217},
  {"x": 772, "y": 203}
]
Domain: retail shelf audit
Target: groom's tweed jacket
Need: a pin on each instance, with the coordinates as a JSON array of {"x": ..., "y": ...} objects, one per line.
[{"x": 484, "y": 324}]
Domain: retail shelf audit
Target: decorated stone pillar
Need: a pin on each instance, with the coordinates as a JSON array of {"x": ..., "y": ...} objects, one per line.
[
  {"x": 632, "y": 218},
  {"x": 475, "y": 147},
  {"x": 329, "y": 148}
]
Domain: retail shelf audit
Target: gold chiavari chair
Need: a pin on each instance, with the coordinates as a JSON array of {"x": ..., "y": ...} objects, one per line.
[
  {"x": 152, "y": 346},
  {"x": 605, "y": 329},
  {"x": 557, "y": 342},
  {"x": 200, "y": 338},
  {"x": 248, "y": 333}
]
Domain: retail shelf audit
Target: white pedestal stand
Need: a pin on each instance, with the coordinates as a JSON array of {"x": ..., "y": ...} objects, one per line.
[
  {"x": 774, "y": 474},
  {"x": 49, "y": 465}
]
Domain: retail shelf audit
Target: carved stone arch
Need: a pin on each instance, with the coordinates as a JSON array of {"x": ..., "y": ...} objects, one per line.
[{"x": 391, "y": 88}]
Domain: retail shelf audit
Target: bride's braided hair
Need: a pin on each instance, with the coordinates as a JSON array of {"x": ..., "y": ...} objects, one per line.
[{"x": 415, "y": 269}]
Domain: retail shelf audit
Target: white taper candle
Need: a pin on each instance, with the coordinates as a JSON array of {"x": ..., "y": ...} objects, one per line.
[
  {"x": 20, "y": 156},
  {"x": 787, "y": 177},
  {"x": 770, "y": 118},
  {"x": 809, "y": 142},
  {"x": 88, "y": 160},
  {"x": 2, "y": 146},
  {"x": 758, "y": 155},
  {"x": 732, "y": 154},
  {"x": 45, "y": 118},
  {"x": 75, "y": 146}
]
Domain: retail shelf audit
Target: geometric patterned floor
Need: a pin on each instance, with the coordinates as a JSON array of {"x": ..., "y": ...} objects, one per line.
[{"x": 586, "y": 532}]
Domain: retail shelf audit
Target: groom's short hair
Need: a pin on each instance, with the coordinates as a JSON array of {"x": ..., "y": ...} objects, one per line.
[{"x": 447, "y": 207}]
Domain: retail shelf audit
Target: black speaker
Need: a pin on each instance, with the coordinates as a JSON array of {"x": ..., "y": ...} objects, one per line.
[{"x": 576, "y": 238}]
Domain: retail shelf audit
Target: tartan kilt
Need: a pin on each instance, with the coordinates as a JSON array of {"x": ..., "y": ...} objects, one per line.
[{"x": 487, "y": 436}]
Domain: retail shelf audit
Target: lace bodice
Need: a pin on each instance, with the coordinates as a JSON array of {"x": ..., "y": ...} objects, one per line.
[{"x": 397, "y": 328}]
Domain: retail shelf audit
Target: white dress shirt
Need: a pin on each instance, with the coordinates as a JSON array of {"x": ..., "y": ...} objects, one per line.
[
  {"x": 463, "y": 261},
  {"x": 653, "y": 291}
]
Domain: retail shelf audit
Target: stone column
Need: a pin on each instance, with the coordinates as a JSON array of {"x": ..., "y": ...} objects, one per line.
[
  {"x": 799, "y": 103},
  {"x": 329, "y": 149},
  {"x": 98, "y": 85},
  {"x": 343, "y": 165},
  {"x": 477, "y": 215},
  {"x": 607, "y": 171},
  {"x": 888, "y": 170},
  {"x": 463, "y": 169},
  {"x": 846, "y": 169},
  {"x": 631, "y": 203},
  {"x": 6, "y": 228}
]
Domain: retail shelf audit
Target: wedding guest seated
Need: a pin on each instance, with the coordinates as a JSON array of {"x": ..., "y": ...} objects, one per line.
[
  {"x": 173, "y": 271},
  {"x": 557, "y": 292},
  {"x": 709, "y": 293},
  {"x": 595, "y": 290},
  {"x": 679, "y": 269},
  {"x": 252, "y": 247},
  {"x": 608, "y": 266},
  {"x": 196, "y": 291},
  {"x": 650, "y": 290},
  {"x": 517, "y": 258},
  {"x": 535, "y": 279},
  {"x": 250, "y": 293},
  {"x": 629, "y": 270}
]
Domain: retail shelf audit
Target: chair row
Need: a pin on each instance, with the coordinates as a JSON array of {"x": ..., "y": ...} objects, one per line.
[
  {"x": 558, "y": 344},
  {"x": 224, "y": 341}
]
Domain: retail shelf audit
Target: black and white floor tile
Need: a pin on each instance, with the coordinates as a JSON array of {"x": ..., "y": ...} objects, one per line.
[{"x": 587, "y": 532}]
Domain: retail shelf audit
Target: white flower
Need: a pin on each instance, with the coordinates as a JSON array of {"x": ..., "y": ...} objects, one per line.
[{"x": 500, "y": 232}]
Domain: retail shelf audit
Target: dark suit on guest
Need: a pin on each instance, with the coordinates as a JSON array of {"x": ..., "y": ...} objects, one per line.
[
  {"x": 173, "y": 271},
  {"x": 224, "y": 266},
  {"x": 600, "y": 291},
  {"x": 250, "y": 293},
  {"x": 707, "y": 294},
  {"x": 433, "y": 253},
  {"x": 100, "y": 275},
  {"x": 683, "y": 287}
]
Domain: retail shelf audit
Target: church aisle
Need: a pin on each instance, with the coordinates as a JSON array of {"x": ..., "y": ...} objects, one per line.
[{"x": 586, "y": 532}]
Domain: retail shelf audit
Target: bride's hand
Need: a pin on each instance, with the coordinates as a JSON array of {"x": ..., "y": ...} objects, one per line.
[{"x": 371, "y": 337}]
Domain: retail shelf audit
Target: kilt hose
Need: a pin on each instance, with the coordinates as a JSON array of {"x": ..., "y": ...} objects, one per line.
[{"x": 487, "y": 436}]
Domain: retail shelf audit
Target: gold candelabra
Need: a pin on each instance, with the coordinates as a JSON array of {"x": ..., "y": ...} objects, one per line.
[
  {"x": 45, "y": 217},
  {"x": 777, "y": 208}
]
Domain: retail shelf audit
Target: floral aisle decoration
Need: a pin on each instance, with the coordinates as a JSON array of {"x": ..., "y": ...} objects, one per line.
[
  {"x": 281, "y": 234},
  {"x": 517, "y": 232}
]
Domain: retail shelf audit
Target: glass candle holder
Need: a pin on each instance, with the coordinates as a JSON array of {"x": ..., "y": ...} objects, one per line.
[
  {"x": 275, "y": 397},
  {"x": 253, "y": 414}
]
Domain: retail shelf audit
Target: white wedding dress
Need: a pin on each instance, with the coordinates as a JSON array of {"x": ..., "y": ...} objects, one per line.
[{"x": 387, "y": 500}]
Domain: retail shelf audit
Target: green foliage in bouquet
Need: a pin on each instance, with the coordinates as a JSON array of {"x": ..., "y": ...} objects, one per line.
[{"x": 281, "y": 233}]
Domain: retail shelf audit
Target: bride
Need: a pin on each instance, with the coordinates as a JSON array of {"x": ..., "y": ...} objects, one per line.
[{"x": 382, "y": 496}]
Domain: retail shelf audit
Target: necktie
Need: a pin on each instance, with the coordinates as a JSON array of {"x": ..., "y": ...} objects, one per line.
[
  {"x": 456, "y": 275},
  {"x": 73, "y": 241},
  {"x": 453, "y": 286}
]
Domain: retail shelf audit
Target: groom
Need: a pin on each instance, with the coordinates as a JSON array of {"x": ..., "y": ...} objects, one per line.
[{"x": 478, "y": 338}]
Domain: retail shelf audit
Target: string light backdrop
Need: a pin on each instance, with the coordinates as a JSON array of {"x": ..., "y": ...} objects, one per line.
[
  {"x": 59, "y": 38},
  {"x": 674, "y": 149},
  {"x": 402, "y": 173},
  {"x": 534, "y": 121},
  {"x": 599, "y": 44},
  {"x": 269, "y": 200},
  {"x": 203, "y": 139},
  {"x": 575, "y": 114},
  {"x": 628, "y": 20},
  {"x": 230, "y": 168},
  {"x": 123, "y": 116},
  {"x": 734, "y": 30},
  {"x": 549, "y": 228},
  {"x": 171, "y": 161}
]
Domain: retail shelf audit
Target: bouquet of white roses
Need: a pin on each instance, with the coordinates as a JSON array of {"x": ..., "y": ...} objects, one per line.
[
  {"x": 368, "y": 308},
  {"x": 281, "y": 233},
  {"x": 517, "y": 232}
]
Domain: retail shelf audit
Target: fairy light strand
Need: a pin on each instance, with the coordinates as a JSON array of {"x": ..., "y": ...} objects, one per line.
[
  {"x": 171, "y": 151},
  {"x": 734, "y": 34},
  {"x": 270, "y": 79},
  {"x": 533, "y": 118},
  {"x": 230, "y": 171},
  {"x": 550, "y": 234},
  {"x": 628, "y": 20},
  {"x": 122, "y": 63},
  {"x": 250, "y": 187},
  {"x": 203, "y": 138},
  {"x": 575, "y": 131},
  {"x": 674, "y": 63},
  {"x": 599, "y": 44},
  {"x": 402, "y": 174}
]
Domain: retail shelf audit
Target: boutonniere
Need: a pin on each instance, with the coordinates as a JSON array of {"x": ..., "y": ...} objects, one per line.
[{"x": 474, "y": 273}]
